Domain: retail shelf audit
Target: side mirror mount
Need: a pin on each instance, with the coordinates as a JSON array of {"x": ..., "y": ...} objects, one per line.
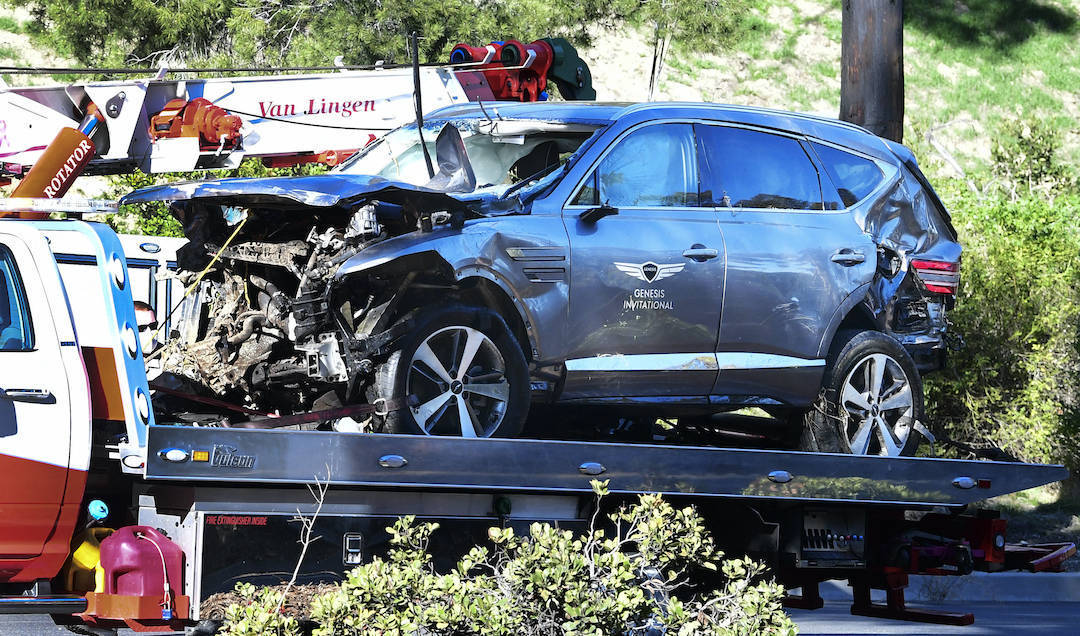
[{"x": 592, "y": 215}]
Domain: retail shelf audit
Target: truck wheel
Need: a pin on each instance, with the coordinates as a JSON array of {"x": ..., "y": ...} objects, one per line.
[
  {"x": 871, "y": 398},
  {"x": 460, "y": 371}
]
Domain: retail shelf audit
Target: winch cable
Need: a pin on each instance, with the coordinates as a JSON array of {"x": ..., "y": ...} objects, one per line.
[
  {"x": 267, "y": 420},
  {"x": 307, "y": 123},
  {"x": 460, "y": 67},
  {"x": 192, "y": 286}
]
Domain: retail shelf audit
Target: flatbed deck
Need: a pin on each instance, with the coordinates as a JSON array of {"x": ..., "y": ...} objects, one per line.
[{"x": 542, "y": 466}]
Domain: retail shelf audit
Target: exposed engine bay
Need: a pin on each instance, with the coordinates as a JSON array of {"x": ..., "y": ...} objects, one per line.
[{"x": 257, "y": 325}]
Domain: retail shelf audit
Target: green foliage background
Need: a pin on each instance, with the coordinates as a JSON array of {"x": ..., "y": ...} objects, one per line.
[
  {"x": 1017, "y": 380},
  {"x": 110, "y": 33}
]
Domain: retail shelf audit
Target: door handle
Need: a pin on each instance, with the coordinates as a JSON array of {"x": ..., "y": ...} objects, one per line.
[
  {"x": 848, "y": 257},
  {"x": 38, "y": 396},
  {"x": 700, "y": 253}
]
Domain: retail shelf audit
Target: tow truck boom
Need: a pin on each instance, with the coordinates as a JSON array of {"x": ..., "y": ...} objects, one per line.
[{"x": 158, "y": 124}]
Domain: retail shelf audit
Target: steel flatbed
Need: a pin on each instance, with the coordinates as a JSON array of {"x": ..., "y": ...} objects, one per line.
[{"x": 275, "y": 457}]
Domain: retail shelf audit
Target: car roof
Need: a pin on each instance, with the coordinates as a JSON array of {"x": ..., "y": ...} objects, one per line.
[
  {"x": 599, "y": 113},
  {"x": 604, "y": 113}
]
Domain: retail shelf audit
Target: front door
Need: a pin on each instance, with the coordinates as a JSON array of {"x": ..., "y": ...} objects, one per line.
[
  {"x": 34, "y": 410},
  {"x": 647, "y": 280}
]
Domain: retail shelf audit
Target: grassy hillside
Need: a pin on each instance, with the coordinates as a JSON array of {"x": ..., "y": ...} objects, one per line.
[
  {"x": 968, "y": 65},
  {"x": 20, "y": 46}
]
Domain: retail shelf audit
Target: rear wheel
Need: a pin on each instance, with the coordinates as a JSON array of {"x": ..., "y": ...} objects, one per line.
[
  {"x": 871, "y": 399},
  {"x": 460, "y": 371}
]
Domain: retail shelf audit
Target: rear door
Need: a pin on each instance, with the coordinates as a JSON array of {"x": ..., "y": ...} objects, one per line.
[
  {"x": 35, "y": 414},
  {"x": 794, "y": 256},
  {"x": 647, "y": 283}
]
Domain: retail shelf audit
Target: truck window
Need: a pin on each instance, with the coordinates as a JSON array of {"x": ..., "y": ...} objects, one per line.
[{"x": 15, "y": 331}]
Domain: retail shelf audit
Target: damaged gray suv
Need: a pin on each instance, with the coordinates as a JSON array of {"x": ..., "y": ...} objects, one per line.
[{"x": 652, "y": 260}]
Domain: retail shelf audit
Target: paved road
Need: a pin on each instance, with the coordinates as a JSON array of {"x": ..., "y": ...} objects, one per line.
[{"x": 991, "y": 619}]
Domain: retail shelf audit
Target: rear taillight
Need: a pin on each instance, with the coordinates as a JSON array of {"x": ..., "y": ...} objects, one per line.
[{"x": 939, "y": 277}]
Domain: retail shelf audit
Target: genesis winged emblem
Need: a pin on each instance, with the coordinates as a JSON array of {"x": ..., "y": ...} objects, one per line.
[{"x": 650, "y": 271}]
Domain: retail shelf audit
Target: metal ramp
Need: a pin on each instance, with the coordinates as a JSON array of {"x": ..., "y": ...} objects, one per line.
[{"x": 199, "y": 455}]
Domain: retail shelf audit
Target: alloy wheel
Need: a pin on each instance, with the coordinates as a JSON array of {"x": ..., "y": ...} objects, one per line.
[
  {"x": 879, "y": 407},
  {"x": 458, "y": 378}
]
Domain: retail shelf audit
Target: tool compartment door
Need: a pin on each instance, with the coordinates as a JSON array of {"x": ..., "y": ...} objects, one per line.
[{"x": 35, "y": 406}]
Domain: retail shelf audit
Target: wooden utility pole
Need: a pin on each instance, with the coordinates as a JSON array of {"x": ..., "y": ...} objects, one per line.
[{"x": 872, "y": 66}]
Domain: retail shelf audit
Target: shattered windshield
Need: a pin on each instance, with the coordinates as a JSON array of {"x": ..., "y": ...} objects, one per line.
[{"x": 502, "y": 153}]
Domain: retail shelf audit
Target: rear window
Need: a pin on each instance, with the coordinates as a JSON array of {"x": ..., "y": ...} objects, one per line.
[{"x": 854, "y": 177}]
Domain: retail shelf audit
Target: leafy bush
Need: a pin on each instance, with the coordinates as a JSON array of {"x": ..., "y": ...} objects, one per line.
[
  {"x": 643, "y": 578},
  {"x": 1016, "y": 382},
  {"x": 1025, "y": 156},
  {"x": 258, "y": 613}
]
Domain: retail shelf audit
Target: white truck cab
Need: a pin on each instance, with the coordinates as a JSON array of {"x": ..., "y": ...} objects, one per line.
[{"x": 56, "y": 380}]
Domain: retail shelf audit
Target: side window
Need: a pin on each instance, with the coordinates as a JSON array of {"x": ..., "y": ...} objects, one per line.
[
  {"x": 15, "y": 332},
  {"x": 750, "y": 169},
  {"x": 654, "y": 166},
  {"x": 587, "y": 194},
  {"x": 853, "y": 176}
]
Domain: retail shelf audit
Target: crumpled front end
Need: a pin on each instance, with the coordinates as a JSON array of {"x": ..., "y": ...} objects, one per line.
[{"x": 263, "y": 325}]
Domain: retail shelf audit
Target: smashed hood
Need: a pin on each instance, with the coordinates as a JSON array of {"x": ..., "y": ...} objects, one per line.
[{"x": 329, "y": 190}]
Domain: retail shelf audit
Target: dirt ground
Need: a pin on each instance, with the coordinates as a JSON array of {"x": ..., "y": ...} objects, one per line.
[{"x": 297, "y": 605}]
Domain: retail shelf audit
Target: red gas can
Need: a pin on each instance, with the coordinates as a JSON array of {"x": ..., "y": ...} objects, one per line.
[{"x": 136, "y": 560}]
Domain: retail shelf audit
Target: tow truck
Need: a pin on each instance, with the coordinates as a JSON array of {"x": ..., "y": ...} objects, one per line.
[
  {"x": 95, "y": 487},
  {"x": 113, "y": 520}
]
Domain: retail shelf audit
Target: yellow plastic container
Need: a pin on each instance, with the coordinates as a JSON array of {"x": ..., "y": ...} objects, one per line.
[{"x": 82, "y": 572}]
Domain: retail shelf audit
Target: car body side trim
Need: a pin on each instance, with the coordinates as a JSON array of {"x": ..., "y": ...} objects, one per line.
[
  {"x": 690, "y": 362},
  {"x": 744, "y": 360},
  {"x": 645, "y": 362}
]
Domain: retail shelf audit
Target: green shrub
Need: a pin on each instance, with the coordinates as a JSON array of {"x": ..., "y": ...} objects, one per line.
[
  {"x": 1024, "y": 155},
  {"x": 258, "y": 614},
  {"x": 1016, "y": 382},
  {"x": 551, "y": 581},
  {"x": 152, "y": 219}
]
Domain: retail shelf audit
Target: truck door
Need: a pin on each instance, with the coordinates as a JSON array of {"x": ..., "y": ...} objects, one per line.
[
  {"x": 647, "y": 281},
  {"x": 35, "y": 413}
]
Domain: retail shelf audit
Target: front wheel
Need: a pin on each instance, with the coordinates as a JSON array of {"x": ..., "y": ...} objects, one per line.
[
  {"x": 871, "y": 399},
  {"x": 461, "y": 373}
]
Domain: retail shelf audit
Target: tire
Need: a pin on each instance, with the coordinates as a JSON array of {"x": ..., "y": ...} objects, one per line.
[
  {"x": 852, "y": 416},
  {"x": 424, "y": 373}
]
